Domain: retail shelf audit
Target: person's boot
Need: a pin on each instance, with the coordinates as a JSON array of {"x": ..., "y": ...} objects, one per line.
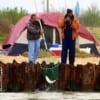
[
  {"x": 71, "y": 64},
  {"x": 30, "y": 64}
]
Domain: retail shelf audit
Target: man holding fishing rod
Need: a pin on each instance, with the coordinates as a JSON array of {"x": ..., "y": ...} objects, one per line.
[{"x": 34, "y": 33}]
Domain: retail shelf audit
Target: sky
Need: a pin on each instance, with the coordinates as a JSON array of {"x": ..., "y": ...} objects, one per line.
[{"x": 40, "y": 5}]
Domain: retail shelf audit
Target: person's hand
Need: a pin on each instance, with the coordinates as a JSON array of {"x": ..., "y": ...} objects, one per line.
[
  {"x": 67, "y": 19},
  {"x": 41, "y": 31}
]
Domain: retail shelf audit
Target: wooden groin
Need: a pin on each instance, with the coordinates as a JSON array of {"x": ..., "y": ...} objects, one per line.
[{"x": 17, "y": 77}]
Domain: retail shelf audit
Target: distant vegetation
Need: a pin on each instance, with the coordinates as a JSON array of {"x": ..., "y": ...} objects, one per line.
[
  {"x": 13, "y": 15},
  {"x": 91, "y": 17},
  {"x": 2, "y": 37},
  {"x": 9, "y": 17},
  {"x": 95, "y": 31}
]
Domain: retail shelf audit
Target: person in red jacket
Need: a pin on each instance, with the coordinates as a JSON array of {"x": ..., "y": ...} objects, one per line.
[{"x": 69, "y": 34}]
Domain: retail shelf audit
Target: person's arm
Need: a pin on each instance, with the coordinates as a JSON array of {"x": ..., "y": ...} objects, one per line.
[{"x": 75, "y": 24}]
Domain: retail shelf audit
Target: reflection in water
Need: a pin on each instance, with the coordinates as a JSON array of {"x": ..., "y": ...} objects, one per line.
[{"x": 50, "y": 96}]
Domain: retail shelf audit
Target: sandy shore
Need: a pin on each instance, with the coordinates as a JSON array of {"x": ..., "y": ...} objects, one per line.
[{"x": 19, "y": 59}]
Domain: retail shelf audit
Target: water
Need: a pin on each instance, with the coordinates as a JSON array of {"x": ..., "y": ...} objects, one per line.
[{"x": 51, "y": 96}]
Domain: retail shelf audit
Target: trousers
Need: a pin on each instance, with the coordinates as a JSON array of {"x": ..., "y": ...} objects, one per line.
[
  {"x": 33, "y": 49},
  {"x": 68, "y": 50}
]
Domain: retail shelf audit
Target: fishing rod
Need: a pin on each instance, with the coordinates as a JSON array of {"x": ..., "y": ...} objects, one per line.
[{"x": 41, "y": 27}]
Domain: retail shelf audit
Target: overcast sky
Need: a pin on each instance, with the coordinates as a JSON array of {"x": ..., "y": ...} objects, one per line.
[{"x": 32, "y": 5}]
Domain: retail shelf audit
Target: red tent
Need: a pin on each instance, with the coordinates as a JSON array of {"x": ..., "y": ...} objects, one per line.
[{"x": 13, "y": 40}]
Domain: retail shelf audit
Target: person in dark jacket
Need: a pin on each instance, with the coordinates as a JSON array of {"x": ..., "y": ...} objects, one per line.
[
  {"x": 33, "y": 36},
  {"x": 69, "y": 34}
]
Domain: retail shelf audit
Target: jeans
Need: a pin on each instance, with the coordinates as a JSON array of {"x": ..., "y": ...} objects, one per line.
[
  {"x": 33, "y": 49},
  {"x": 68, "y": 45}
]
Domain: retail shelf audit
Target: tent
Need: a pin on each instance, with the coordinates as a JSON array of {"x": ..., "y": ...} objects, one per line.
[
  {"x": 16, "y": 42},
  {"x": 87, "y": 40}
]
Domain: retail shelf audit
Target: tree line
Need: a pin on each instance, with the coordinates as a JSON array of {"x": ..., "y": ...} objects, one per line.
[
  {"x": 9, "y": 17},
  {"x": 90, "y": 17}
]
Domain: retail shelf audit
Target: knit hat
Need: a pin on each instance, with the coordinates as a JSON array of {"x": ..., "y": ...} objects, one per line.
[{"x": 69, "y": 11}]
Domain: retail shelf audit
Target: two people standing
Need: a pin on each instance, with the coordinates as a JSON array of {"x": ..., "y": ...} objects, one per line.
[{"x": 69, "y": 34}]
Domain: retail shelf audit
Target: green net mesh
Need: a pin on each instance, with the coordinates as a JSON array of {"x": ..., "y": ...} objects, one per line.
[{"x": 51, "y": 70}]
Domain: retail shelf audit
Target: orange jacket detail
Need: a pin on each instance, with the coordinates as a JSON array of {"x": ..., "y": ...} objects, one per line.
[{"x": 74, "y": 25}]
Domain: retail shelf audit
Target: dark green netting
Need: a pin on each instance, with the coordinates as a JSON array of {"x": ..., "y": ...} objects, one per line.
[{"x": 51, "y": 70}]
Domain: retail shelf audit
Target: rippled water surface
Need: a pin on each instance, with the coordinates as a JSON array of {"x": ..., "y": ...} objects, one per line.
[{"x": 50, "y": 96}]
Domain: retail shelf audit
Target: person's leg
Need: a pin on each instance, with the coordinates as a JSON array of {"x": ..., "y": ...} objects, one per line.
[
  {"x": 31, "y": 47},
  {"x": 37, "y": 49},
  {"x": 72, "y": 53},
  {"x": 64, "y": 53}
]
